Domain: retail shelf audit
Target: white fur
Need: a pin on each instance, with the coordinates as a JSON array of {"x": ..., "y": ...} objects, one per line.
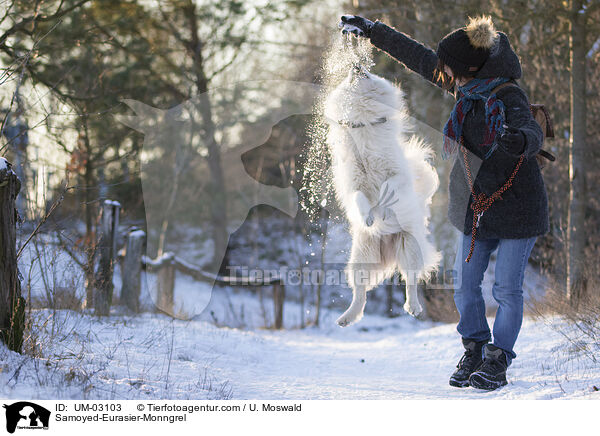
[{"x": 367, "y": 161}]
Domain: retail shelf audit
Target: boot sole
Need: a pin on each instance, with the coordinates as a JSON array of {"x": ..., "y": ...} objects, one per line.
[
  {"x": 459, "y": 384},
  {"x": 480, "y": 382}
]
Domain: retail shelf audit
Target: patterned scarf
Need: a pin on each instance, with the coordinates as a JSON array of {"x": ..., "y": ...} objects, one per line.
[{"x": 475, "y": 89}]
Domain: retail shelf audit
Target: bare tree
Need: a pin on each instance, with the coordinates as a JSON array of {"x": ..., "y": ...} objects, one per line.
[{"x": 578, "y": 17}]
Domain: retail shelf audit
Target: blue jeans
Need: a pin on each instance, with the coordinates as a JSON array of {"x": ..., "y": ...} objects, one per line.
[{"x": 511, "y": 261}]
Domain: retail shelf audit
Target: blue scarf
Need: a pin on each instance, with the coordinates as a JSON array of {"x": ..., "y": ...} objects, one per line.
[{"x": 475, "y": 89}]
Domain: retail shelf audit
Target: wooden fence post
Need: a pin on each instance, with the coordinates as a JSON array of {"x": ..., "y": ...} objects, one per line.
[
  {"x": 108, "y": 249},
  {"x": 131, "y": 269},
  {"x": 166, "y": 284},
  {"x": 278, "y": 299},
  {"x": 12, "y": 305}
]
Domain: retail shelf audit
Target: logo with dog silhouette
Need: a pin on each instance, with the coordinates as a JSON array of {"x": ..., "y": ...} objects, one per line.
[{"x": 26, "y": 415}]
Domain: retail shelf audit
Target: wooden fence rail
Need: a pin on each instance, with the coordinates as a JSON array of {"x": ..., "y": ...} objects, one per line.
[{"x": 166, "y": 266}]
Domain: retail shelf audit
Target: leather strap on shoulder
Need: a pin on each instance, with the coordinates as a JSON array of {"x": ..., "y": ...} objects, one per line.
[{"x": 503, "y": 85}]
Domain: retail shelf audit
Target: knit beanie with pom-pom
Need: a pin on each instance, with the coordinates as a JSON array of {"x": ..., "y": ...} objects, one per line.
[{"x": 465, "y": 50}]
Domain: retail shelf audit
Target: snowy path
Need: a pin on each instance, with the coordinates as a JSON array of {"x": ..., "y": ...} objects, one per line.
[
  {"x": 406, "y": 362},
  {"x": 151, "y": 356}
]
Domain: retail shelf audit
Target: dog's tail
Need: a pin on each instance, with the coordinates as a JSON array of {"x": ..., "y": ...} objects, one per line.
[
  {"x": 424, "y": 258},
  {"x": 426, "y": 178}
]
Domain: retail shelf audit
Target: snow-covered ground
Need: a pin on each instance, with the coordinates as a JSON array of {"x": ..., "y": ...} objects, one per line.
[
  {"x": 225, "y": 352},
  {"x": 153, "y": 356}
]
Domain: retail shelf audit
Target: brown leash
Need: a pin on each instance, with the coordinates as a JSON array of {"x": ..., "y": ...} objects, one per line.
[{"x": 482, "y": 202}]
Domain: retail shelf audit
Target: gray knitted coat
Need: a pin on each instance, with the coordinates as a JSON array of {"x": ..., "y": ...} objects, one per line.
[{"x": 522, "y": 212}]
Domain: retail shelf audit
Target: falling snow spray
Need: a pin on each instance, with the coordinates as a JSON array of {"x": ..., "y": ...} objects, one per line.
[
  {"x": 317, "y": 193},
  {"x": 344, "y": 53}
]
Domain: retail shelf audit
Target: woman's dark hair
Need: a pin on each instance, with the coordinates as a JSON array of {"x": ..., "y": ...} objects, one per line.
[{"x": 443, "y": 79}]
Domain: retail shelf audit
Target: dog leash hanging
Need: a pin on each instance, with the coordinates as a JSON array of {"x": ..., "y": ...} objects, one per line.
[{"x": 482, "y": 202}]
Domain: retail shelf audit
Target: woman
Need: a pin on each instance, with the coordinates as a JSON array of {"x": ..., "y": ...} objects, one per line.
[{"x": 491, "y": 120}]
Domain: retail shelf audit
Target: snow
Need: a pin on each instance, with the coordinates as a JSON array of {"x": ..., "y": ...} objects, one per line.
[
  {"x": 137, "y": 234},
  {"x": 221, "y": 346},
  {"x": 165, "y": 257},
  {"x": 153, "y": 356},
  {"x": 190, "y": 296}
]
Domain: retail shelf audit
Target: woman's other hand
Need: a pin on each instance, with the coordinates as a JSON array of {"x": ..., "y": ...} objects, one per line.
[{"x": 512, "y": 140}]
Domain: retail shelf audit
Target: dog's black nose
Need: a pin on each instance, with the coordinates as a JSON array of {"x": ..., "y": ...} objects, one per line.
[{"x": 358, "y": 72}]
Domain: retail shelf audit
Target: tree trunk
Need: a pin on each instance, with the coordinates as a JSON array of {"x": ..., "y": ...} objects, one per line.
[
  {"x": 389, "y": 301},
  {"x": 440, "y": 307},
  {"x": 131, "y": 270},
  {"x": 90, "y": 236},
  {"x": 12, "y": 305},
  {"x": 324, "y": 216},
  {"x": 278, "y": 300},
  {"x": 108, "y": 249},
  {"x": 576, "y": 283},
  {"x": 218, "y": 209}
]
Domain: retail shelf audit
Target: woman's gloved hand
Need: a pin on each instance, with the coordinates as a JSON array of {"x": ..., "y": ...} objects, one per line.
[
  {"x": 359, "y": 26},
  {"x": 512, "y": 140}
]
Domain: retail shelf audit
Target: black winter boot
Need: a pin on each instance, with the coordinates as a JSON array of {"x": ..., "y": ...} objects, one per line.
[
  {"x": 492, "y": 372},
  {"x": 468, "y": 363}
]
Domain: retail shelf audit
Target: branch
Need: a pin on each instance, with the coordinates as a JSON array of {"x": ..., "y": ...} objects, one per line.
[
  {"x": 73, "y": 256},
  {"x": 225, "y": 66},
  {"x": 21, "y": 26},
  {"x": 42, "y": 221}
]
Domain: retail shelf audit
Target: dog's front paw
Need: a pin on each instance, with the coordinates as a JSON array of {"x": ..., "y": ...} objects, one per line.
[
  {"x": 387, "y": 198},
  {"x": 413, "y": 308}
]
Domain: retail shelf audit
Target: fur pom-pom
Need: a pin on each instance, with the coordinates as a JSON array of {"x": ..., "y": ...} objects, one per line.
[{"x": 481, "y": 32}]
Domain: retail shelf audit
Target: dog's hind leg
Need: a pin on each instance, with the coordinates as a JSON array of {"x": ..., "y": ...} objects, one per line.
[
  {"x": 410, "y": 264},
  {"x": 362, "y": 273},
  {"x": 359, "y": 210},
  {"x": 355, "y": 312}
]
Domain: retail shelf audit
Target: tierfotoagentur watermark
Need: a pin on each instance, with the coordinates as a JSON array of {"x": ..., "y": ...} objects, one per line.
[{"x": 334, "y": 275}]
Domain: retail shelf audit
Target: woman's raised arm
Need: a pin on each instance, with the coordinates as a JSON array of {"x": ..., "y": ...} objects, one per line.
[{"x": 413, "y": 54}]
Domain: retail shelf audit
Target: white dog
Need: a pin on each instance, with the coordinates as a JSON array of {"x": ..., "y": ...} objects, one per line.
[{"x": 384, "y": 184}]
